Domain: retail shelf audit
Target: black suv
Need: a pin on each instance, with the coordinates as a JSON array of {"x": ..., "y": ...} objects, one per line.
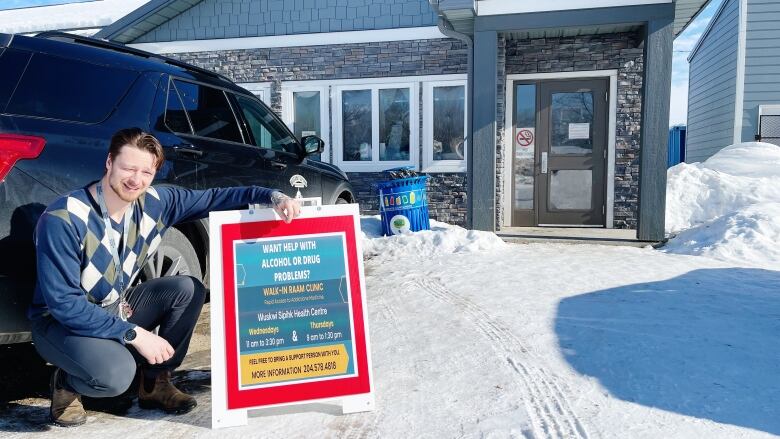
[{"x": 63, "y": 96}]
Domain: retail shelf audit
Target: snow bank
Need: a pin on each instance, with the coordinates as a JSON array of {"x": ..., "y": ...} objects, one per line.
[
  {"x": 750, "y": 234},
  {"x": 737, "y": 176},
  {"x": 443, "y": 238},
  {"x": 727, "y": 207}
]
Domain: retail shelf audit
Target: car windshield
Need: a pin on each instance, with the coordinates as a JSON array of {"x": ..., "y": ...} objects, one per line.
[{"x": 267, "y": 130}]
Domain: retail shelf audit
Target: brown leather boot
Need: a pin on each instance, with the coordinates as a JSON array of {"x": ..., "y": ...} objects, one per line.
[
  {"x": 66, "y": 409},
  {"x": 164, "y": 395}
]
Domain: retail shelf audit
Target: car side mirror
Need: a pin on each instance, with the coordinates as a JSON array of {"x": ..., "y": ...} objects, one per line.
[{"x": 312, "y": 145}]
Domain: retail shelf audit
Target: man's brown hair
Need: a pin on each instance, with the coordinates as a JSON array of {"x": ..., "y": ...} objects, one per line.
[{"x": 137, "y": 138}]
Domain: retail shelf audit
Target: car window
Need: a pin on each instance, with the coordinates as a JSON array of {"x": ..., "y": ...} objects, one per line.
[
  {"x": 267, "y": 130},
  {"x": 12, "y": 64},
  {"x": 175, "y": 116},
  {"x": 67, "y": 89},
  {"x": 209, "y": 111}
]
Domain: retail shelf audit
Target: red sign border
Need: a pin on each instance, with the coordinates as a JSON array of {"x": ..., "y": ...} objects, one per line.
[{"x": 299, "y": 392}]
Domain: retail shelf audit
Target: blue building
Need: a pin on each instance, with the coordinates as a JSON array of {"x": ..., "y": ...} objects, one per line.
[{"x": 734, "y": 90}]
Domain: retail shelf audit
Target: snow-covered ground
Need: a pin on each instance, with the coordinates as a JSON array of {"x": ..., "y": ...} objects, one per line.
[{"x": 472, "y": 337}]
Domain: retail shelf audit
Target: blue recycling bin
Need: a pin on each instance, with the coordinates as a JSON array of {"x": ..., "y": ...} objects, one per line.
[{"x": 403, "y": 205}]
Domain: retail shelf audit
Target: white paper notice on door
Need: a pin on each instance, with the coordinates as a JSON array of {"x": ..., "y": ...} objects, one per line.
[{"x": 579, "y": 131}]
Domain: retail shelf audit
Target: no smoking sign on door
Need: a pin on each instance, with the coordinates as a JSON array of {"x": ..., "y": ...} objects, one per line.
[{"x": 525, "y": 137}]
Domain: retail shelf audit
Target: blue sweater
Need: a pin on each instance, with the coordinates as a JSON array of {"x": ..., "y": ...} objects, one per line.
[{"x": 76, "y": 274}]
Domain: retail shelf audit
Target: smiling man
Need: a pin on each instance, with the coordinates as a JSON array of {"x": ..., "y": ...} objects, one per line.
[{"x": 88, "y": 317}]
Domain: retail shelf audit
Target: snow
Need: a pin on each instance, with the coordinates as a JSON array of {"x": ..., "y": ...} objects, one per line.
[
  {"x": 95, "y": 14},
  {"x": 475, "y": 338},
  {"x": 727, "y": 207},
  {"x": 472, "y": 337},
  {"x": 443, "y": 238}
]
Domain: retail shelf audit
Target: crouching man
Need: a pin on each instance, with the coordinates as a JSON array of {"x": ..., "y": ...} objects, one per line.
[{"x": 87, "y": 320}]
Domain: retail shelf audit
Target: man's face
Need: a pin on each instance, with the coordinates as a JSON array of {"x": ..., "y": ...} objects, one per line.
[{"x": 130, "y": 173}]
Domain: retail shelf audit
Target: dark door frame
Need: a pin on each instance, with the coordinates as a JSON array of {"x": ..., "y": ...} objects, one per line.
[{"x": 508, "y": 218}]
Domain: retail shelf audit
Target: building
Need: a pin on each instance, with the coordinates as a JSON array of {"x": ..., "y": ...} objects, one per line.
[
  {"x": 520, "y": 113},
  {"x": 734, "y": 90}
]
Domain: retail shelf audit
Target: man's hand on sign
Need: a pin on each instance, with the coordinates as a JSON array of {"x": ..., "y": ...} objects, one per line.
[
  {"x": 151, "y": 346},
  {"x": 287, "y": 208}
]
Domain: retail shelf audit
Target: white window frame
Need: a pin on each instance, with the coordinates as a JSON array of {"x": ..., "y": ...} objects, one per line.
[
  {"x": 428, "y": 163},
  {"x": 375, "y": 165},
  {"x": 288, "y": 111},
  {"x": 260, "y": 89}
]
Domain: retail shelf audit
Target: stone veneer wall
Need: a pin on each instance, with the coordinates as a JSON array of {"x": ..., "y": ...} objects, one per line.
[
  {"x": 620, "y": 51},
  {"x": 446, "y": 191}
]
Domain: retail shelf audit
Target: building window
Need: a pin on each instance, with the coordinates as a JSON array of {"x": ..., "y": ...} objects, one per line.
[
  {"x": 305, "y": 109},
  {"x": 260, "y": 89},
  {"x": 375, "y": 126},
  {"x": 444, "y": 122}
]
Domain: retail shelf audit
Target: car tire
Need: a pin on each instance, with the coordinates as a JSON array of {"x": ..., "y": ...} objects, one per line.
[
  {"x": 341, "y": 201},
  {"x": 174, "y": 257}
]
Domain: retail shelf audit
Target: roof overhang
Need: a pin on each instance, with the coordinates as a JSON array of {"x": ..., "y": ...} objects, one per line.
[
  {"x": 145, "y": 19},
  {"x": 461, "y": 14}
]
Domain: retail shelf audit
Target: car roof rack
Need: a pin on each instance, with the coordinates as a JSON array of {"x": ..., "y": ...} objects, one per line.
[{"x": 105, "y": 44}]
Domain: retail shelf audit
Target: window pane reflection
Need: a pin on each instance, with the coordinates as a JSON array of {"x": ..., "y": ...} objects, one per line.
[
  {"x": 572, "y": 123},
  {"x": 356, "y": 115},
  {"x": 307, "y": 115},
  {"x": 525, "y": 145},
  {"x": 394, "y": 124},
  {"x": 449, "y": 115}
]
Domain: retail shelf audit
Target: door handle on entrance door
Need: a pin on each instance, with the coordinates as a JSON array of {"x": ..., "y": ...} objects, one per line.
[{"x": 544, "y": 163}]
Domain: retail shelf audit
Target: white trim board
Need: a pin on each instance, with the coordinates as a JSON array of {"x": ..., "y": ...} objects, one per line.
[
  {"x": 314, "y": 39},
  {"x": 378, "y": 80},
  {"x": 506, "y": 218},
  {"x": 739, "y": 92},
  {"x": 500, "y": 7}
]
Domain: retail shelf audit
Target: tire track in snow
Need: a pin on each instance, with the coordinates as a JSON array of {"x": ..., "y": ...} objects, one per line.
[{"x": 549, "y": 409}]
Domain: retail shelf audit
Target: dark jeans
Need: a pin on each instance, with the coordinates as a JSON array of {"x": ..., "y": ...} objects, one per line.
[{"x": 99, "y": 367}]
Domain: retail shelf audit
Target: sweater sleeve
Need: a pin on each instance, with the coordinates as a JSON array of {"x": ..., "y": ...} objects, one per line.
[
  {"x": 59, "y": 283},
  {"x": 186, "y": 204}
]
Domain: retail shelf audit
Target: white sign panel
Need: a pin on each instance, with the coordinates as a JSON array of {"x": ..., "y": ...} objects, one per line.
[{"x": 579, "y": 131}]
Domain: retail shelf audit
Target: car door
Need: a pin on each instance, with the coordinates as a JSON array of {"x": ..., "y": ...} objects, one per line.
[
  {"x": 280, "y": 149},
  {"x": 214, "y": 140}
]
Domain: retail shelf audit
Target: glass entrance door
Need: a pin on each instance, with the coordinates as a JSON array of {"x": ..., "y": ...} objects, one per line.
[{"x": 559, "y": 154}]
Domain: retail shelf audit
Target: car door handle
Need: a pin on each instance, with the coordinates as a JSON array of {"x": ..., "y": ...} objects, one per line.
[
  {"x": 278, "y": 165},
  {"x": 186, "y": 148}
]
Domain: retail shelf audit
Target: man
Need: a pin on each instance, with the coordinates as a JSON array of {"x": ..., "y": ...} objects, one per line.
[{"x": 91, "y": 245}]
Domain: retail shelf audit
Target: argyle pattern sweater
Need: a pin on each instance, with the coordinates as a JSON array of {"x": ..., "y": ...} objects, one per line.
[{"x": 76, "y": 273}]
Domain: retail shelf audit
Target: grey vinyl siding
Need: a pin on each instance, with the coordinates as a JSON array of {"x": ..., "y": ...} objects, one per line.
[
  {"x": 712, "y": 87},
  {"x": 255, "y": 18},
  {"x": 762, "y": 62}
]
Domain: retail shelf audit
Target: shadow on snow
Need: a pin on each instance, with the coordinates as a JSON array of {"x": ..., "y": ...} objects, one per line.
[{"x": 703, "y": 344}]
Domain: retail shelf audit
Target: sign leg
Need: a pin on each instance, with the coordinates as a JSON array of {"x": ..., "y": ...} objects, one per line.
[
  {"x": 357, "y": 404},
  {"x": 232, "y": 418}
]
